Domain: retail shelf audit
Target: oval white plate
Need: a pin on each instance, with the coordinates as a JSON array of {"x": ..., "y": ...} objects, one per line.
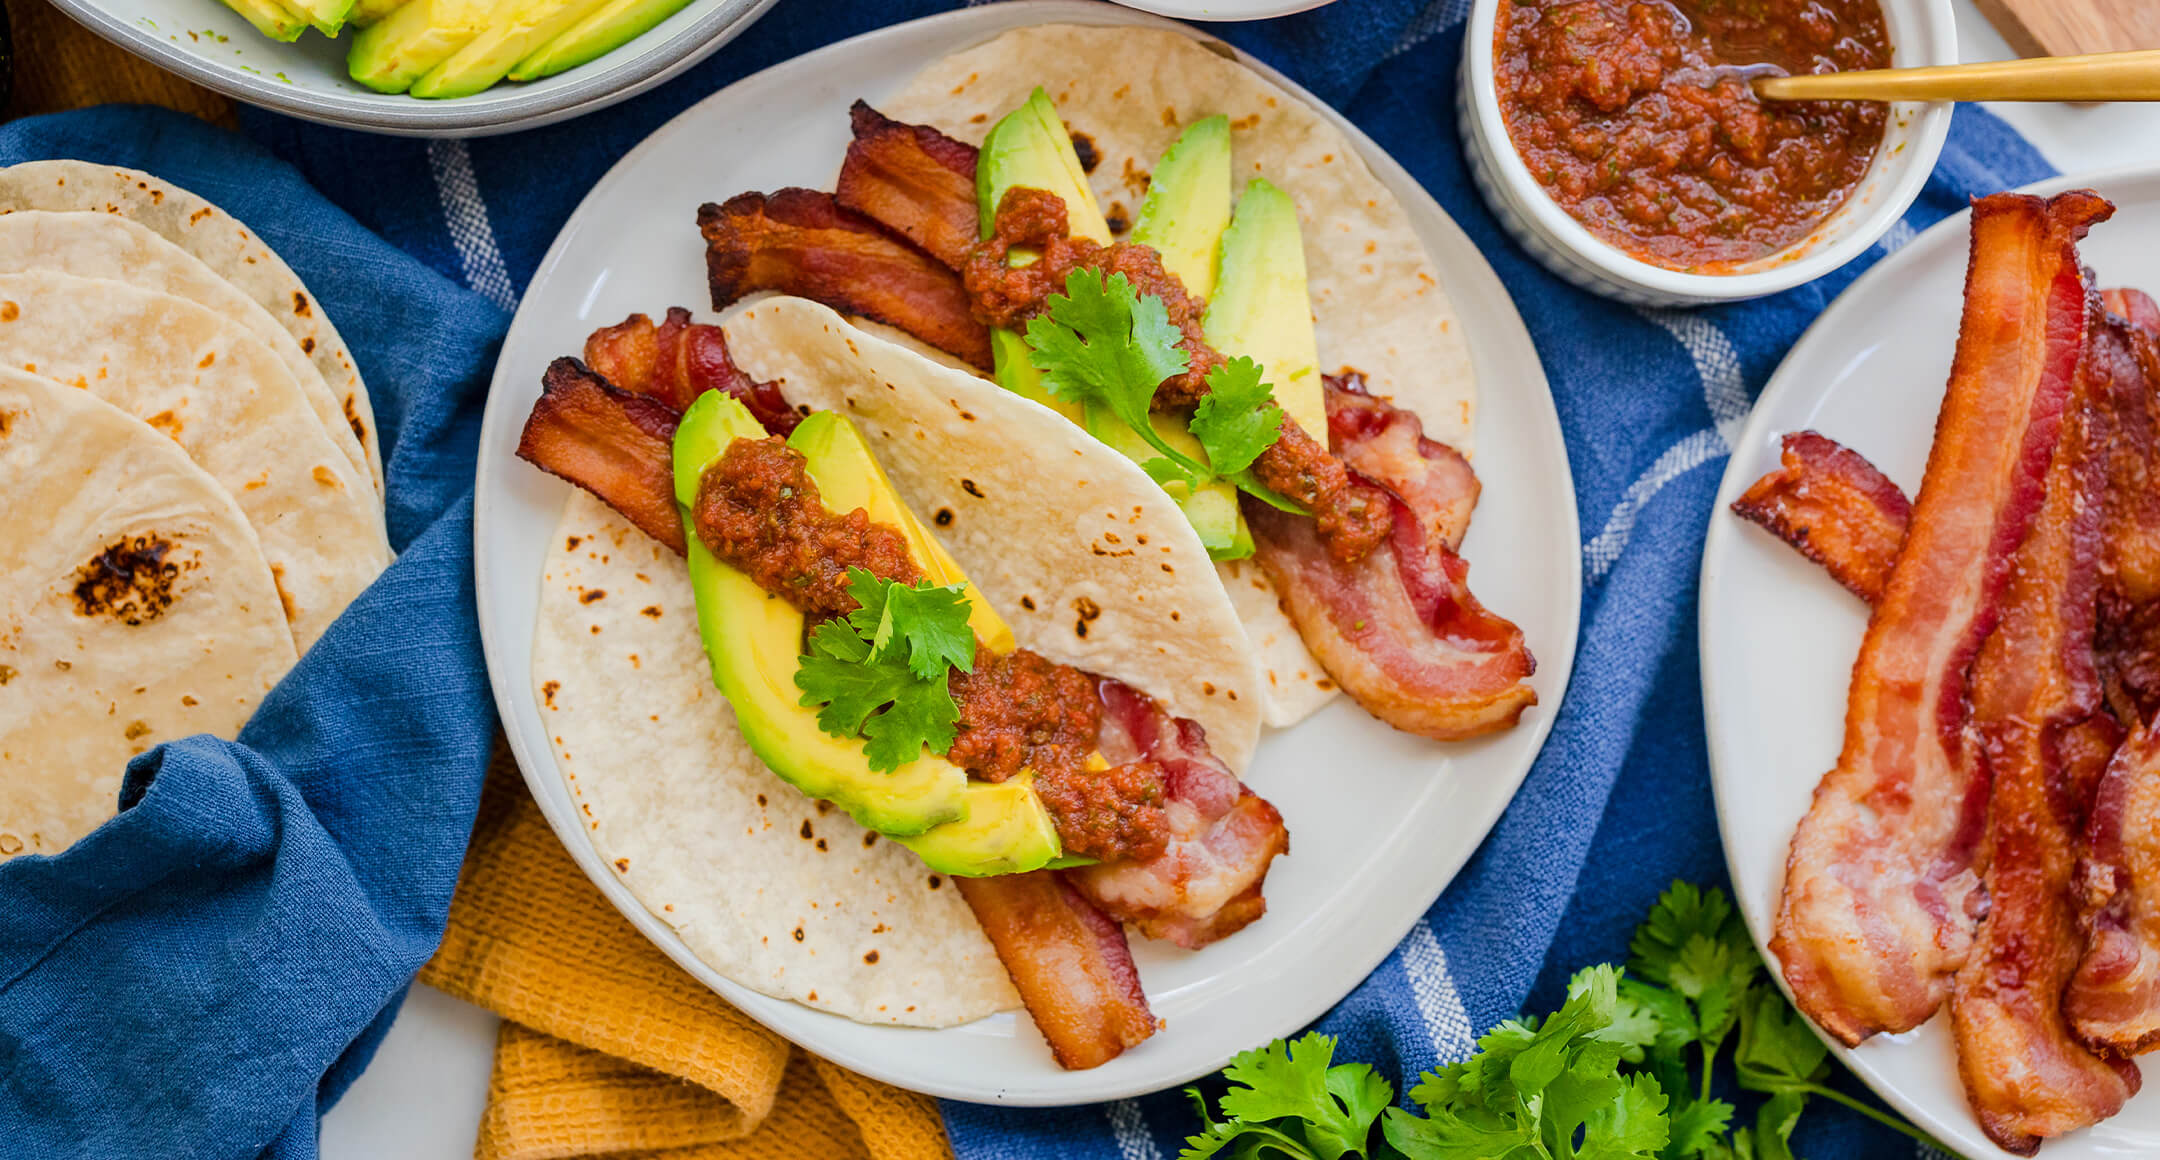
[
  {"x": 1778, "y": 635},
  {"x": 1381, "y": 820}
]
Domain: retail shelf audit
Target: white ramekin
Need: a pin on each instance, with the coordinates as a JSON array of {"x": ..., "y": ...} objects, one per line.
[{"x": 1922, "y": 32}]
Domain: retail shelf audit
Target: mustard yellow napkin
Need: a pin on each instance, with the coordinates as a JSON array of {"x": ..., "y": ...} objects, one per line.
[
  {"x": 59, "y": 64},
  {"x": 610, "y": 1050}
]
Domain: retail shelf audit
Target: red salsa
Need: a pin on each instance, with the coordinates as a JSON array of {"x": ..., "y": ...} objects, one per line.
[{"x": 1636, "y": 117}]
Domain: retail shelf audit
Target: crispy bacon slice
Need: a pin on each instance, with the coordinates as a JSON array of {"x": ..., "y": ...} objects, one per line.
[
  {"x": 1068, "y": 960},
  {"x": 2043, "y": 739},
  {"x": 2135, "y": 307},
  {"x": 1879, "y": 903},
  {"x": 1206, "y": 883},
  {"x": 2114, "y": 998},
  {"x": 1835, "y": 508},
  {"x": 614, "y": 443},
  {"x": 800, "y": 241},
  {"x": 679, "y": 360},
  {"x": 1399, "y": 630},
  {"x": 914, "y": 180},
  {"x": 2124, "y": 362}
]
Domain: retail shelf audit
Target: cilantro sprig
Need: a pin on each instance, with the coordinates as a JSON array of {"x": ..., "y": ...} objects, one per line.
[
  {"x": 879, "y": 672},
  {"x": 1102, "y": 343},
  {"x": 1622, "y": 1071}
]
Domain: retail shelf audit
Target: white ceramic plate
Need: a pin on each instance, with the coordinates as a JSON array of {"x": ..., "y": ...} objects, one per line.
[
  {"x": 1381, "y": 820},
  {"x": 1779, "y": 636},
  {"x": 210, "y": 44}
]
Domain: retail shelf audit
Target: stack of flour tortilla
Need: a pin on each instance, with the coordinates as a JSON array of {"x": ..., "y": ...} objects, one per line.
[{"x": 190, "y": 487}]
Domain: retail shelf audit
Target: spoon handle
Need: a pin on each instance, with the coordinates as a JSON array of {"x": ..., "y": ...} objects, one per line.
[{"x": 2100, "y": 76}]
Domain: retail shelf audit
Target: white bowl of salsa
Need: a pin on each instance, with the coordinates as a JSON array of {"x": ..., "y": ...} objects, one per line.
[{"x": 1618, "y": 143}]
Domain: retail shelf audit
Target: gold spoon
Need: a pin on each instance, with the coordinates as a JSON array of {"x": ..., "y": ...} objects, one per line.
[{"x": 2100, "y": 76}]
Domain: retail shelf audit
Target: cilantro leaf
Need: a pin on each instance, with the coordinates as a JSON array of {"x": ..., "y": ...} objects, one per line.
[
  {"x": 1696, "y": 1127},
  {"x": 1104, "y": 342},
  {"x": 931, "y": 621},
  {"x": 880, "y": 672},
  {"x": 1293, "y": 1080},
  {"x": 1777, "y": 1048},
  {"x": 1238, "y": 418}
]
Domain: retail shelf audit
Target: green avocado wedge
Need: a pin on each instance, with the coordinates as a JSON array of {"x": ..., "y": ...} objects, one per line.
[
  {"x": 1262, "y": 307},
  {"x": 754, "y": 640},
  {"x": 508, "y": 39},
  {"x": 601, "y": 31},
  {"x": 1030, "y": 148},
  {"x": 1188, "y": 204},
  {"x": 271, "y": 18},
  {"x": 389, "y": 55}
]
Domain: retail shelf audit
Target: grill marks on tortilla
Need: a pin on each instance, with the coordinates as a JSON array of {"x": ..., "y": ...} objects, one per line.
[{"x": 130, "y": 580}]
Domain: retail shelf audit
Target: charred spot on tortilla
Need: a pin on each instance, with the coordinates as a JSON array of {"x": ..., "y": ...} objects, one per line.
[
  {"x": 869, "y": 838},
  {"x": 10, "y": 844},
  {"x": 820, "y": 843},
  {"x": 807, "y": 832},
  {"x": 130, "y": 580},
  {"x": 186, "y": 700},
  {"x": 1084, "y": 148},
  {"x": 589, "y": 595},
  {"x": 7, "y": 673},
  {"x": 650, "y": 611},
  {"x": 300, "y": 304},
  {"x": 9, "y": 312},
  {"x": 548, "y": 691},
  {"x": 799, "y": 938},
  {"x": 936, "y": 882},
  {"x": 968, "y": 486},
  {"x": 570, "y": 543},
  {"x": 870, "y": 957},
  {"x": 622, "y": 865},
  {"x": 352, "y": 419},
  {"x": 943, "y": 518},
  {"x": 1028, "y": 602},
  {"x": 328, "y": 478},
  {"x": 1117, "y": 218}
]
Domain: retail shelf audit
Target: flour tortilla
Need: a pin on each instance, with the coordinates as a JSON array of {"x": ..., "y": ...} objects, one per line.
[
  {"x": 220, "y": 242},
  {"x": 1378, "y": 304},
  {"x": 227, "y": 401},
  {"x": 99, "y": 245},
  {"x": 1072, "y": 543},
  {"x": 770, "y": 889},
  {"x": 91, "y": 675}
]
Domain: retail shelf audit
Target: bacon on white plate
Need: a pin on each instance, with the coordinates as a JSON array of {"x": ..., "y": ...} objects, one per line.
[
  {"x": 1069, "y": 962},
  {"x": 1882, "y": 884},
  {"x": 1399, "y": 630},
  {"x": 2114, "y": 999},
  {"x": 1206, "y": 882},
  {"x": 2043, "y": 736}
]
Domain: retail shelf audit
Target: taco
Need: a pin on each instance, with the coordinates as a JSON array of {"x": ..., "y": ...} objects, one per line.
[
  {"x": 957, "y": 715},
  {"x": 1178, "y": 257}
]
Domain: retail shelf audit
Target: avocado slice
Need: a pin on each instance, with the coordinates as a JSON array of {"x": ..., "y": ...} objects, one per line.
[
  {"x": 271, "y": 18},
  {"x": 1188, "y": 204},
  {"x": 1007, "y": 831},
  {"x": 391, "y": 54},
  {"x": 508, "y": 39},
  {"x": 327, "y": 16},
  {"x": 754, "y": 640},
  {"x": 599, "y": 32},
  {"x": 1262, "y": 308},
  {"x": 1030, "y": 147},
  {"x": 370, "y": 12}
]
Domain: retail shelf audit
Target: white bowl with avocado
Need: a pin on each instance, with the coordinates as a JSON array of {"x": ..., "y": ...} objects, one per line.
[{"x": 436, "y": 68}]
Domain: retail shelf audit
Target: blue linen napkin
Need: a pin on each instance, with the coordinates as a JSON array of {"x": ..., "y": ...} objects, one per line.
[
  {"x": 1617, "y": 806},
  {"x": 203, "y": 974}
]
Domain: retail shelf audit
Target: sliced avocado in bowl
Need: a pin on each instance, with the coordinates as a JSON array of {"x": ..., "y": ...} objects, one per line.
[
  {"x": 391, "y": 54},
  {"x": 754, "y": 641},
  {"x": 271, "y": 18},
  {"x": 601, "y": 31},
  {"x": 509, "y": 38}
]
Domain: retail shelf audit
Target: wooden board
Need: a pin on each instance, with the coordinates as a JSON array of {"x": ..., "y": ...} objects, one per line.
[{"x": 2067, "y": 27}]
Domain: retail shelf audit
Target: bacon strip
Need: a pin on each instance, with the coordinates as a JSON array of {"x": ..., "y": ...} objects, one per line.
[
  {"x": 1835, "y": 508},
  {"x": 1206, "y": 883},
  {"x": 800, "y": 241},
  {"x": 1399, "y": 630},
  {"x": 2043, "y": 740},
  {"x": 679, "y": 360},
  {"x": 1069, "y": 962},
  {"x": 618, "y": 445},
  {"x": 914, "y": 180},
  {"x": 2135, "y": 307},
  {"x": 2114, "y": 999},
  {"x": 1879, "y": 905}
]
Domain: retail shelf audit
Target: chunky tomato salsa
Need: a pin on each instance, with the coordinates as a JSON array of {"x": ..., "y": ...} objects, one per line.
[{"x": 1637, "y": 118}]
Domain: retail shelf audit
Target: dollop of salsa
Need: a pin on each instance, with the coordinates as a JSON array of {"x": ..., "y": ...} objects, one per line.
[{"x": 1636, "y": 117}]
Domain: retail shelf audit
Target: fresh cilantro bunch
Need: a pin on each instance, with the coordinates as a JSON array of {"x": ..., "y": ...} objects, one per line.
[
  {"x": 1621, "y": 1072},
  {"x": 1103, "y": 343},
  {"x": 879, "y": 672}
]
